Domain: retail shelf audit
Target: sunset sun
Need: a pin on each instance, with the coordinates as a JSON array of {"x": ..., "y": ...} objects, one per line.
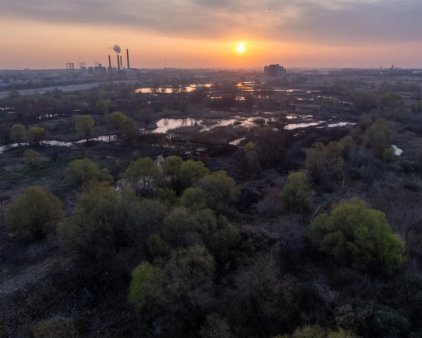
[{"x": 240, "y": 48}]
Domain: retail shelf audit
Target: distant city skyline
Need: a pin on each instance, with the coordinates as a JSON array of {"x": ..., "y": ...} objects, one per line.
[{"x": 206, "y": 34}]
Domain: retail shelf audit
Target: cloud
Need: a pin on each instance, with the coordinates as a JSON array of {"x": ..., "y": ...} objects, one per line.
[{"x": 345, "y": 21}]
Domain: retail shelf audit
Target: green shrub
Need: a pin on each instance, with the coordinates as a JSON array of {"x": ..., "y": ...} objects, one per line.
[
  {"x": 297, "y": 195},
  {"x": 36, "y": 134},
  {"x": 105, "y": 223},
  {"x": 358, "y": 235},
  {"x": 180, "y": 289},
  {"x": 184, "y": 227},
  {"x": 84, "y": 125},
  {"x": 80, "y": 172},
  {"x": 33, "y": 214},
  {"x": 116, "y": 120},
  {"x": 194, "y": 199},
  {"x": 378, "y": 137},
  {"x": 18, "y": 133},
  {"x": 191, "y": 171},
  {"x": 220, "y": 189},
  {"x": 146, "y": 286},
  {"x": 130, "y": 129},
  {"x": 32, "y": 158},
  {"x": 145, "y": 175}
]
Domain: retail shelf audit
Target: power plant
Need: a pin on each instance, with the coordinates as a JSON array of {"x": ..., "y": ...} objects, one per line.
[{"x": 119, "y": 65}]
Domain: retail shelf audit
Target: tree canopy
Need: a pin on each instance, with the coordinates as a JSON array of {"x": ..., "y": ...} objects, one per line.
[
  {"x": 34, "y": 213},
  {"x": 358, "y": 235}
]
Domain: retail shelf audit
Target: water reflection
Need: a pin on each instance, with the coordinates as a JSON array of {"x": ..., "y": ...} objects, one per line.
[
  {"x": 293, "y": 126},
  {"x": 171, "y": 90},
  {"x": 237, "y": 141},
  {"x": 65, "y": 144},
  {"x": 164, "y": 125}
]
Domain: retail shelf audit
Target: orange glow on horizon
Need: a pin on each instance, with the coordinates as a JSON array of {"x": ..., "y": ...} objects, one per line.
[{"x": 37, "y": 45}]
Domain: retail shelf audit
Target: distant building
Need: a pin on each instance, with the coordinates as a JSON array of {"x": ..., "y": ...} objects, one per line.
[{"x": 274, "y": 71}]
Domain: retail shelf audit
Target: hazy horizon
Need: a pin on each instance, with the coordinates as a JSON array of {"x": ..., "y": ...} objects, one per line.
[{"x": 199, "y": 34}]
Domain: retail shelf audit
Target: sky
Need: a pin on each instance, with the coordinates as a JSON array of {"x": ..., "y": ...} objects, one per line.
[{"x": 204, "y": 33}]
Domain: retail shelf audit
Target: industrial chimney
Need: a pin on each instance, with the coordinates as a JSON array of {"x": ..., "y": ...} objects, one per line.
[
  {"x": 118, "y": 62},
  {"x": 127, "y": 56},
  {"x": 109, "y": 62},
  {"x": 121, "y": 61}
]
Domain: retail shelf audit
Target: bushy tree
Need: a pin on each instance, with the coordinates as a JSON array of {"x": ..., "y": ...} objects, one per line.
[
  {"x": 378, "y": 137},
  {"x": 194, "y": 198},
  {"x": 145, "y": 175},
  {"x": 297, "y": 195},
  {"x": 182, "y": 174},
  {"x": 106, "y": 223},
  {"x": 183, "y": 227},
  {"x": 80, "y": 172},
  {"x": 325, "y": 164},
  {"x": 220, "y": 189},
  {"x": 171, "y": 166},
  {"x": 18, "y": 133},
  {"x": 358, "y": 235},
  {"x": 191, "y": 171},
  {"x": 146, "y": 286},
  {"x": 116, "y": 120},
  {"x": 33, "y": 214},
  {"x": 36, "y": 134},
  {"x": 180, "y": 289},
  {"x": 129, "y": 129},
  {"x": 32, "y": 158},
  {"x": 84, "y": 124},
  {"x": 120, "y": 122}
]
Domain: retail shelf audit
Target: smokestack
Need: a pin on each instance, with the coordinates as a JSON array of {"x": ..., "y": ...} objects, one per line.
[
  {"x": 121, "y": 61},
  {"x": 127, "y": 56},
  {"x": 118, "y": 62},
  {"x": 109, "y": 61}
]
